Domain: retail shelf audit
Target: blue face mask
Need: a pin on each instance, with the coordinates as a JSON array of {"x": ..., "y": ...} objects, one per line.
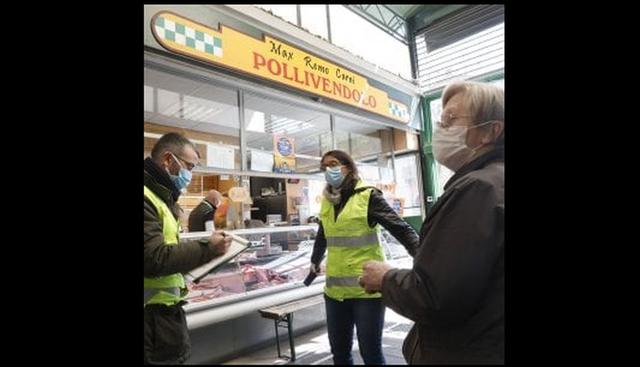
[
  {"x": 183, "y": 178},
  {"x": 334, "y": 176}
]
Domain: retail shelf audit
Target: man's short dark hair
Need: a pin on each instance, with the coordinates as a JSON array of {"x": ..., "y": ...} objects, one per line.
[{"x": 172, "y": 142}]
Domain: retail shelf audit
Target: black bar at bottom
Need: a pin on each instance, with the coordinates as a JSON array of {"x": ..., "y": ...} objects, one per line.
[{"x": 290, "y": 327}]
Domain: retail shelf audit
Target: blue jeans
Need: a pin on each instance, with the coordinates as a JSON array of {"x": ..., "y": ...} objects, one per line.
[{"x": 368, "y": 316}]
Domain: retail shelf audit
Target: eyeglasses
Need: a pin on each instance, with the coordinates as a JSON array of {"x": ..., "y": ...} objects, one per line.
[
  {"x": 190, "y": 166},
  {"x": 323, "y": 167},
  {"x": 446, "y": 121}
]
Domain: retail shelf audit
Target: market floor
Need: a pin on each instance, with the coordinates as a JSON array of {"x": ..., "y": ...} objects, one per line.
[{"x": 313, "y": 348}]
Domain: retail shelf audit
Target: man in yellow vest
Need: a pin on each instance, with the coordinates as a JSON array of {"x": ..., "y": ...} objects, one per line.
[
  {"x": 166, "y": 173},
  {"x": 350, "y": 213}
]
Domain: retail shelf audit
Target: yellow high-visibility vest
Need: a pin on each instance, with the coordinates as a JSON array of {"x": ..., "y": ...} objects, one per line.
[
  {"x": 169, "y": 289},
  {"x": 350, "y": 243}
]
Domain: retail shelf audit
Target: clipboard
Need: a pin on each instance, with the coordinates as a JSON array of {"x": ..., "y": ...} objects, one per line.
[{"x": 236, "y": 247}]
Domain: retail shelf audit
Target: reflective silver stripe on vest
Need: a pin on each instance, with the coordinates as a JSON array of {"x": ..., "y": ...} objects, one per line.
[
  {"x": 364, "y": 240},
  {"x": 150, "y": 292},
  {"x": 342, "y": 281}
]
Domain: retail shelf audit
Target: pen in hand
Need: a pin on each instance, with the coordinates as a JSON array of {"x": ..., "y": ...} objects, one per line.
[{"x": 220, "y": 242}]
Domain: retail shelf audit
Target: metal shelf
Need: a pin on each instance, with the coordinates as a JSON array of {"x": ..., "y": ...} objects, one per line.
[
  {"x": 249, "y": 231},
  {"x": 233, "y": 172}
]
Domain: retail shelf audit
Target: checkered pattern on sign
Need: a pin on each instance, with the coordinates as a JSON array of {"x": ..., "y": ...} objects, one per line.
[
  {"x": 398, "y": 110},
  {"x": 186, "y": 36}
]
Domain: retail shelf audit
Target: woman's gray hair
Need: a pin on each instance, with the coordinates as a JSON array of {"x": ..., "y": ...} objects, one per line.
[{"x": 485, "y": 101}]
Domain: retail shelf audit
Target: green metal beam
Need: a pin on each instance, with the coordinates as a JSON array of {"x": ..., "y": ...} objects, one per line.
[
  {"x": 428, "y": 14},
  {"x": 392, "y": 23},
  {"x": 429, "y": 177}
]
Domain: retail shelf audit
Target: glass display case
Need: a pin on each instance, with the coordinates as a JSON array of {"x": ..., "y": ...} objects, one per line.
[
  {"x": 277, "y": 256},
  {"x": 271, "y": 271}
]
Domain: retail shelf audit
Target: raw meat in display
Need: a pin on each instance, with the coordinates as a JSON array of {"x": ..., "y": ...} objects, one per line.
[
  {"x": 256, "y": 277},
  {"x": 215, "y": 286}
]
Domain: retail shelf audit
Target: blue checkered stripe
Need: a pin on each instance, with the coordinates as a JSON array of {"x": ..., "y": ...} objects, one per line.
[
  {"x": 187, "y": 36},
  {"x": 398, "y": 110}
]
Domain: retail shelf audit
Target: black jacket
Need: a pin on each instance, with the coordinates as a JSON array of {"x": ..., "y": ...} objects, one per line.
[
  {"x": 378, "y": 212},
  {"x": 455, "y": 291},
  {"x": 200, "y": 214},
  {"x": 166, "y": 337}
]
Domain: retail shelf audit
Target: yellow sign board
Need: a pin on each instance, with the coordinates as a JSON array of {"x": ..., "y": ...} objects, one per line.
[{"x": 275, "y": 60}]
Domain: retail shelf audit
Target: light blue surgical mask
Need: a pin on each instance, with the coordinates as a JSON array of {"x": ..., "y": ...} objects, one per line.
[
  {"x": 334, "y": 176},
  {"x": 183, "y": 178}
]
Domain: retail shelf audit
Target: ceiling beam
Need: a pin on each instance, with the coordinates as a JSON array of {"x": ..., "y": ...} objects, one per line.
[{"x": 394, "y": 26}]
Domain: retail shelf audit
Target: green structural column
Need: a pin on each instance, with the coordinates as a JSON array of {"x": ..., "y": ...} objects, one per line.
[{"x": 428, "y": 162}]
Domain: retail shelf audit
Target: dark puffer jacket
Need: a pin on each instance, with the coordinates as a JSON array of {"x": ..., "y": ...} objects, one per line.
[{"x": 204, "y": 212}]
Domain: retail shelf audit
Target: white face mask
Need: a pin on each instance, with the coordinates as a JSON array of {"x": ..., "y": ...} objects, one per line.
[{"x": 450, "y": 148}]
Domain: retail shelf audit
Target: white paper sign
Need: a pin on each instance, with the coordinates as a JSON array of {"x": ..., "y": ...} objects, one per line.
[
  {"x": 220, "y": 156},
  {"x": 386, "y": 174},
  {"x": 261, "y": 161},
  {"x": 369, "y": 173}
]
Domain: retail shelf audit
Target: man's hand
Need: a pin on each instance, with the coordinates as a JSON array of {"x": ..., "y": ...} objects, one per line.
[
  {"x": 373, "y": 272},
  {"x": 314, "y": 268},
  {"x": 219, "y": 242}
]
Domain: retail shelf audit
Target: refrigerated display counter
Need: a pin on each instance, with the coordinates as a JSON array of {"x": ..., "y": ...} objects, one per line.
[
  {"x": 270, "y": 272},
  {"x": 222, "y": 310}
]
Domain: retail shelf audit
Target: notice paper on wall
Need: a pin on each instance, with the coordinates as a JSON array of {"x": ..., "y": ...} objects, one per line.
[
  {"x": 220, "y": 156},
  {"x": 237, "y": 246},
  {"x": 261, "y": 161}
]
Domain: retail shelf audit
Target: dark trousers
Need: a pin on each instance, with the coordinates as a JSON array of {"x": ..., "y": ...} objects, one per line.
[
  {"x": 166, "y": 337},
  {"x": 367, "y": 314}
]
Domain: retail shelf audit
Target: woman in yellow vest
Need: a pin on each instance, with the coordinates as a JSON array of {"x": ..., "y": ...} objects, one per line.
[{"x": 350, "y": 213}]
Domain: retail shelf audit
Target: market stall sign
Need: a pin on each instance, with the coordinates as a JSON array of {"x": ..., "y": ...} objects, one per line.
[{"x": 275, "y": 60}]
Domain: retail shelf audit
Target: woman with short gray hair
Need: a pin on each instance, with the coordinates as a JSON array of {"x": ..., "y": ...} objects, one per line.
[
  {"x": 455, "y": 291},
  {"x": 472, "y": 123}
]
